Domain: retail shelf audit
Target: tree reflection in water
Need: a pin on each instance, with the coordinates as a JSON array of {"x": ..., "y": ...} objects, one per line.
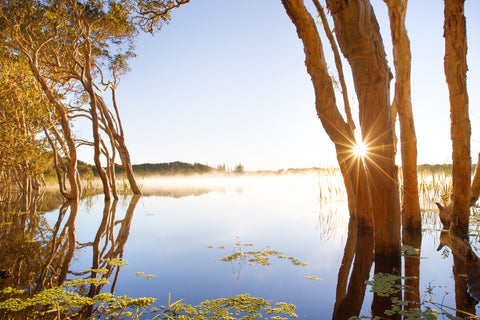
[
  {"x": 466, "y": 272},
  {"x": 38, "y": 256},
  {"x": 359, "y": 250},
  {"x": 355, "y": 270}
]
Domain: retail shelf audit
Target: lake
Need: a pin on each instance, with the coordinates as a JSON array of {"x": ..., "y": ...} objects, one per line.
[{"x": 174, "y": 237}]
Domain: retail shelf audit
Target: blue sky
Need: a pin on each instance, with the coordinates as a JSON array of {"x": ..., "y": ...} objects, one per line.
[{"x": 225, "y": 83}]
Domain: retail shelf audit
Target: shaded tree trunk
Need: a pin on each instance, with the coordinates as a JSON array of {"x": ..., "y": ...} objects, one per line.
[{"x": 455, "y": 64}]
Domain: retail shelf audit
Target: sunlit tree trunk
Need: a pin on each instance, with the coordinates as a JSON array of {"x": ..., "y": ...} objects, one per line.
[
  {"x": 411, "y": 218},
  {"x": 88, "y": 84},
  {"x": 363, "y": 48},
  {"x": 73, "y": 194},
  {"x": 119, "y": 142},
  {"x": 340, "y": 132},
  {"x": 475, "y": 187},
  {"x": 456, "y": 75}
]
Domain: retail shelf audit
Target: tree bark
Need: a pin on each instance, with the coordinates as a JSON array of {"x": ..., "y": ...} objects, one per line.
[
  {"x": 65, "y": 123},
  {"x": 475, "y": 187},
  {"x": 120, "y": 144},
  {"x": 88, "y": 84},
  {"x": 411, "y": 218},
  {"x": 359, "y": 38},
  {"x": 339, "y": 131},
  {"x": 455, "y": 64}
]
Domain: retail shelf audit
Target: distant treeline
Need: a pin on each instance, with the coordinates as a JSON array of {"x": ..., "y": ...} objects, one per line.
[
  {"x": 171, "y": 168},
  {"x": 183, "y": 168},
  {"x": 439, "y": 168}
]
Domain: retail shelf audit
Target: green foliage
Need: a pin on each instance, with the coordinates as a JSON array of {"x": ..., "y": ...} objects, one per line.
[{"x": 23, "y": 152}]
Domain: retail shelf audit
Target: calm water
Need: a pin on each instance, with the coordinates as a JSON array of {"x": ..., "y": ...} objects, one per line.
[{"x": 180, "y": 229}]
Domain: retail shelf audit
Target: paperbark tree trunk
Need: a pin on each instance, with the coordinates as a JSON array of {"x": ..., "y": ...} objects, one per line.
[
  {"x": 411, "y": 218},
  {"x": 455, "y": 64},
  {"x": 376, "y": 192},
  {"x": 74, "y": 183},
  {"x": 88, "y": 84},
  {"x": 120, "y": 145},
  {"x": 339, "y": 131},
  {"x": 359, "y": 38}
]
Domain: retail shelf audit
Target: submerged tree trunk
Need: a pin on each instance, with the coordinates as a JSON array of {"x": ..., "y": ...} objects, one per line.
[{"x": 456, "y": 75}]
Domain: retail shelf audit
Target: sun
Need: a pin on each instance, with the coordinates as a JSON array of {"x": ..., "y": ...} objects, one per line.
[{"x": 360, "y": 149}]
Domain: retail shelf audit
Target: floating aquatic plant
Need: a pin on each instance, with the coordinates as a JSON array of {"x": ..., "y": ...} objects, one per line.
[
  {"x": 258, "y": 257},
  {"x": 241, "y": 307}
]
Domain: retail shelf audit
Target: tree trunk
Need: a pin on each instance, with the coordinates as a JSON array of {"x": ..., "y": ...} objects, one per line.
[
  {"x": 363, "y": 48},
  {"x": 475, "y": 187},
  {"x": 456, "y": 75},
  {"x": 120, "y": 146},
  {"x": 411, "y": 217},
  {"x": 88, "y": 84},
  {"x": 67, "y": 133},
  {"x": 123, "y": 150}
]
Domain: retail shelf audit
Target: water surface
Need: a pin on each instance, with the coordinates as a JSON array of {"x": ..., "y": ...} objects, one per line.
[{"x": 180, "y": 229}]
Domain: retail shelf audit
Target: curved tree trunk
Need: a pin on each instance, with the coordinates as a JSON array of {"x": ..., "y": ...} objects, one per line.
[
  {"x": 456, "y": 75},
  {"x": 122, "y": 148},
  {"x": 67, "y": 133}
]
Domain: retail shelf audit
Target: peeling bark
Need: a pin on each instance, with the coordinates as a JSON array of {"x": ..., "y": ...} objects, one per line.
[
  {"x": 455, "y": 64},
  {"x": 359, "y": 38},
  {"x": 73, "y": 194},
  {"x": 339, "y": 131},
  {"x": 411, "y": 218}
]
